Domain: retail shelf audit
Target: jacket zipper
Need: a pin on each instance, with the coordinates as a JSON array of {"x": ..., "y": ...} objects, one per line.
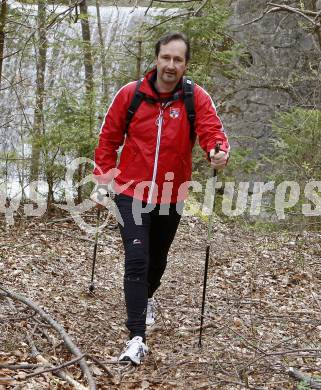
[{"x": 159, "y": 132}]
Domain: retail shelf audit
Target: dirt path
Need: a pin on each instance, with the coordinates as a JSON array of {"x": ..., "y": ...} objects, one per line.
[{"x": 263, "y": 311}]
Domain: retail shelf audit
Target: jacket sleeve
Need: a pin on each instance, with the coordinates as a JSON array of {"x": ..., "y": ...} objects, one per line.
[
  {"x": 208, "y": 125},
  {"x": 112, "y": 135}
]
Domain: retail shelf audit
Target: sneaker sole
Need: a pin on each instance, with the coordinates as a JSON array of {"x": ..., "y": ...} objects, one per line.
[{"x": 129, "y": 360}]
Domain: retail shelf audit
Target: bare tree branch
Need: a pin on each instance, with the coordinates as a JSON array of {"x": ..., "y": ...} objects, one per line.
[
  {"x": 26, "y": 118},
  {"x": 282, "y": 7},
  {"x": 197, "y": 12},
  {"x": 149, "y": 6},
  {"x": 55, "y": 20},
  {"x": 265, "y": 12},
  {"x": 170, "y": 2},
  {"x": 135, "y": 6},
  {"x": 181, "y": 15},
  {"x": 296, "y": 11}
]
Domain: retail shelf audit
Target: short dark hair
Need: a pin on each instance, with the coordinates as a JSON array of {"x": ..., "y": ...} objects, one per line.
[{"x": 176, "y": 36}]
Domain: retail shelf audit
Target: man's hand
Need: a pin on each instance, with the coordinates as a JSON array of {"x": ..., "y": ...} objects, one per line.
[
  {"x": 218, "y": 160},
  {"x": 100, "y": 195}
]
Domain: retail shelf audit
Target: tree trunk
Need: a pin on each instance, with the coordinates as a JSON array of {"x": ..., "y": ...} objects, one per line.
[
  {"x": 88, "y": 61},
  {"x": 103, "y": 56},
  {"x": 38, "y": 127},
  {"x": 50, "y": 195},
  {"x": 315, "y": 6},
  {"x": 3, "y": 18},
  {"x": 89, "y": 81},
  {"x": 139, "y": 60}
]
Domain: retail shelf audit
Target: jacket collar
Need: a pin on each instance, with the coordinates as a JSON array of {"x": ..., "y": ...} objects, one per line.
[{"x": 148, "y": 85}]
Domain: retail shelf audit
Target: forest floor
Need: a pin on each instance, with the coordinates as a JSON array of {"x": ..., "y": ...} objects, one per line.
[{"x": 263, "y": 309}]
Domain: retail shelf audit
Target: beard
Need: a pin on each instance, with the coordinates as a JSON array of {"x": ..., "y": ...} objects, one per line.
[{"x": 169, "y": 77}]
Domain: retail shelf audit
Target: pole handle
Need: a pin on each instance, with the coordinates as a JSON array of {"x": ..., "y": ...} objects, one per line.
[{"x": 217, "y": 149}]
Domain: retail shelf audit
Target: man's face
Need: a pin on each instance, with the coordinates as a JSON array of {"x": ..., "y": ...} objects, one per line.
[{"x": 171, "y": 63}]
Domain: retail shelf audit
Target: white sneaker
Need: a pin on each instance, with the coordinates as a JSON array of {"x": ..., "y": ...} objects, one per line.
[
  {"x": 135, "y": 351},
  {"x": 150, "y": 312}
]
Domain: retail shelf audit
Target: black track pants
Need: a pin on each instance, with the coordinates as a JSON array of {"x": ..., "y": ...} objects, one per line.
[{"x": 146, "y": 247}]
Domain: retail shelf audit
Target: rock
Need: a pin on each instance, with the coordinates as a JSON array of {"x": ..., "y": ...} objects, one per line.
[{"x": 276, "y": 49}]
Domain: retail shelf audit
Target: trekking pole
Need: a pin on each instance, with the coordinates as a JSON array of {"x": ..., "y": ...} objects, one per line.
[
  {"x": 92, "y": 286},
  {"x": 209, "y": 230}
]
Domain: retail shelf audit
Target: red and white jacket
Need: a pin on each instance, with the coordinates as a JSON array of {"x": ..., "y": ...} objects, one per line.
[{"x": 156, "y": 160}]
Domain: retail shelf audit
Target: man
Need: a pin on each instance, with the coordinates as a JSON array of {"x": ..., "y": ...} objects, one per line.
[{"x": 151, "y": 177}]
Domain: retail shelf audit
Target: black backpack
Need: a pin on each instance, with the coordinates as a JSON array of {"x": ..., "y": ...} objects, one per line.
[{"x": 188, "y": 97}]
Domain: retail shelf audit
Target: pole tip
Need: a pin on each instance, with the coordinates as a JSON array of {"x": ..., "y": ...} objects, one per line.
[{"x": 91, "y": 287}]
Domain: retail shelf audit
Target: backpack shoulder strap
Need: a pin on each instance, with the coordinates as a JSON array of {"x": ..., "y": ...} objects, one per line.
[
  {"x": 134, "y": 104},
  {"x": 188, "y": 96}
]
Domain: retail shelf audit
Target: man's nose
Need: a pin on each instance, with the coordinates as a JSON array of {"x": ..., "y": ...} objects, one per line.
[{"x": 171, "y": 63}]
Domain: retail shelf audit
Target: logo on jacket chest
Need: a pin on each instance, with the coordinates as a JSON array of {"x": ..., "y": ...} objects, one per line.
[{"x": 174, "y": 112}]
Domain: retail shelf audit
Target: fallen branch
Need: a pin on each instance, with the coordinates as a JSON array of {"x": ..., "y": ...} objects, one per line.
[
  {"x": 17, "y": 367},
  {"x": 62, "y": 375},
  {"x": 56, "y": 368},
  {"x": 67, "y": 340},
  {"x": 293, "y": 351},
  {"x": 71, "y": 381},
  {"x": 102, "y": 366},
  {"x": 6, "y": 380},
  {"x": 100, "y": 363},
  {"x": 43, "y": 332},
  {"x": 32, "y": 345}
]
